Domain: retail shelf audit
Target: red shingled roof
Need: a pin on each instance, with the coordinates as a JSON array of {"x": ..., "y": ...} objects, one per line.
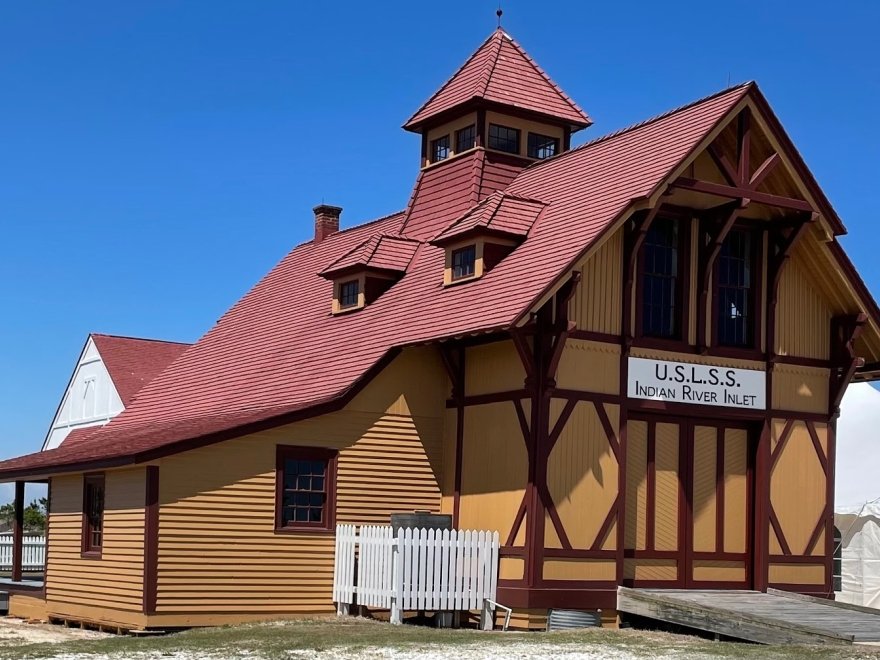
[
  {"x": 275, "y": 356},
  {"x": 379, "y": 252},
  {"x": 500, "y": 213},
  {"x": 500, "y": 71},
  {"x": 134, "y": 362}
]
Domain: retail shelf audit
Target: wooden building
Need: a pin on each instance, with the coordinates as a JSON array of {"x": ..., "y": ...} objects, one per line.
[{"x": 627, "y": 357}]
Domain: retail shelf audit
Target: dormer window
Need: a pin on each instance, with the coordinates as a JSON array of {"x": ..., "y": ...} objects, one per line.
[
  {"x": 440, "y": 149},
  {"x": 349, "y": 292},
  {"x": 363, "y": 274},
  {"x": 480, "y": 239},
  {"x": 542, "y": 146},
  {"x": 504, "y": 138},
  {"x": 465, "y": 139},
  {"x": 464, "y": 262}
]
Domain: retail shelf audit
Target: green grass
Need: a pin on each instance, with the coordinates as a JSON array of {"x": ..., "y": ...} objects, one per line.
[{"x": 353, "y": 635}]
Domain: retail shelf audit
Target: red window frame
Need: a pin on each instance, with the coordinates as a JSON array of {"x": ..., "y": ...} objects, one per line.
[
  {"x": 326, "y": 455},
  {"x": 94, "y": 496}
]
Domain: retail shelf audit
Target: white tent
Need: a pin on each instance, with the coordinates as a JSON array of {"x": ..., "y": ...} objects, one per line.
[{"x": 859, "y": 528}]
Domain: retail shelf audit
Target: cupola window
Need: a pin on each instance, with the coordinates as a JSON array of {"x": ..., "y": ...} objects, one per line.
[
  {"x": 349, "y": 293},
  {"x": 542, "y": 146},
  {"x": 465, "y": 139},
  {"x": 503, "y": 138},
  {"x": 440, "y": 149},
  {"x": 464, "y": 262}
]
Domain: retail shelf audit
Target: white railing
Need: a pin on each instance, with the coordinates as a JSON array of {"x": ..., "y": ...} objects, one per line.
[
  {"x": 441, "y": 571},
  {"x": 33, "y": 552}
]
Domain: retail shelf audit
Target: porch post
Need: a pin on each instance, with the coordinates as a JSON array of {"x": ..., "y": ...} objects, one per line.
[{"x": 18, "y": 531}]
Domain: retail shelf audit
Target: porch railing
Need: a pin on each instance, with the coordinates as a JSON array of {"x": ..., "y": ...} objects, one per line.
[
  {"x": 33, "y": 552},
  {"x": 418, "y": 569}
]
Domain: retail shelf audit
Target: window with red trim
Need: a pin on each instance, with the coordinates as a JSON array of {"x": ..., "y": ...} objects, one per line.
[
  {"x": 93, "y": 513},
  {"x": 305, "y": 483}
]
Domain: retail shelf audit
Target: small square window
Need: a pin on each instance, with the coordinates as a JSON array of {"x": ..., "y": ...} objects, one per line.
[
  {"x": 304, "y": 483},
  {"x": 440, "y": 149},
  {"x": 465, "y": 139},
  {"x": 349, "y": 293},
  {"x": 464, "y": 262},
  {"x": 542, "y": 146},
  {"x": 503, "y": 138}
]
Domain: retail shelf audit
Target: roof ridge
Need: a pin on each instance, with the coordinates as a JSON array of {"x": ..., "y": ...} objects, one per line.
[
  {"x": 353, "y": 227},
  {"x": 489, "y": 70},
  {"x": 130, "y": 337},
  {"x": 450, "y": 79},
  {"x": 641, "y": 124},
  {"x": 537, "y": 67}
]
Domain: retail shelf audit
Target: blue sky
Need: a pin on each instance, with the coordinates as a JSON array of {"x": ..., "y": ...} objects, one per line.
[{"x": 156, "y": 158}]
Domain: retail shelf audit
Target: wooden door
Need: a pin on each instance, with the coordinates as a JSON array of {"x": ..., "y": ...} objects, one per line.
[{"x": 688, "y": 504}]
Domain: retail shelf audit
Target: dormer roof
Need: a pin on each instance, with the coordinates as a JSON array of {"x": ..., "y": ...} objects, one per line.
[
  {"x": 501, "y": 72},
  {"x": 380, "y": 252},
  {"x": 505, "y": 215}
]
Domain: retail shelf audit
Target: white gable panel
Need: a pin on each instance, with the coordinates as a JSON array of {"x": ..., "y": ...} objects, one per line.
[{"x": 91, "y": 398}]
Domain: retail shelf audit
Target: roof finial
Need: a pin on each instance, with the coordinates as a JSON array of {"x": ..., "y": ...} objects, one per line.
[{"x": 499, "y": 13}]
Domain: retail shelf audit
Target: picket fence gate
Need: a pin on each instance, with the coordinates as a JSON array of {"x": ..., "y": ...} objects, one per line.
[
  {"x": 418, "y": 569},
  {"x": 33, "y": 552}
]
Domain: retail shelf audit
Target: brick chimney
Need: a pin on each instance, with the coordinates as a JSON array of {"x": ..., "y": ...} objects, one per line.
[{"x": 326, "y": 221}]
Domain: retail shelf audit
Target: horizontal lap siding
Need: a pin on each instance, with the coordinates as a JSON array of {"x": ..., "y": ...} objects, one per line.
[
  {"x": 115, "y": 581},
  {"x": 218, "y": 549}
]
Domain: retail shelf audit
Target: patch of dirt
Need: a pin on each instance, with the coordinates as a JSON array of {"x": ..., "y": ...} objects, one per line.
[{"x": 14, "y": 632}]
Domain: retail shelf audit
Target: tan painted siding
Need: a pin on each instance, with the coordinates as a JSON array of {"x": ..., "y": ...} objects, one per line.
[
  {"x": 713, "y": 571},
  {"x": 803, "y": 317},
  {"x": 494, "y": 469},
  {"x": 597, "y": 304},
  {"x": 115, "y": 581},
  {"x": 579, "y": 569},
  {"x": 800, "y": 388},
  {"x": 218, "y": 549},
  {"x": 650, "y": 569},
  {"x": 589, "y": 366},
  {"x": 667, "y": 488},
  {"x": 797, "y": 574},
  {"x": 736, "y": 521},
  {"x": 705, "y": 504},
  {"x": 582, "y": 474},
  {"x": 797, "y": 485},
  {"x": 494, "y": 367},
  {"x": 636, "y": 484}
]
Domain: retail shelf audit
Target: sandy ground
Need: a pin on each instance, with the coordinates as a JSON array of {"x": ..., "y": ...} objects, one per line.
[{"x": 14, "y": 632}]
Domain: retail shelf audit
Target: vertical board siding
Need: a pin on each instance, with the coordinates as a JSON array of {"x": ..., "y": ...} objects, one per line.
[
  {"x": 218, "y": 549},
  {"x": 798, "y": 388},
  {"x": 736, "y": 514},
  {"x": 797, "y": 485},
  {"x": 115, "y": 580},
  {"x": 803, "y": 317},
  {"x": 667, "y": 490},
  {"x": 494, "y": 468},
  {"x": 582, "y": 474},
  {"x": 589, "y": 366},
  {"x": 597, "y": 305},
  {"x": 704, "y": 489},
  {"x": 636, "y": 484},
  {"x": 494, "y": 367}
]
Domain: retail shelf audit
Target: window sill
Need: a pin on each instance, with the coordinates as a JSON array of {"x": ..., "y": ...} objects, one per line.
[
  {"x": 305, "y": 530},
  {"x": 90, "y": 554},
  {"x": 461, "y": 280},
  {"x": 347, "y": 310},
  {"x": 737, "y": 353},
  {"x": 661, "y": 344}
]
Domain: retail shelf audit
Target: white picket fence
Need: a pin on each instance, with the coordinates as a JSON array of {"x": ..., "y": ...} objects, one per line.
[
  {"x": 33, "y": 552},
  {"x": 418, "y": 569}
]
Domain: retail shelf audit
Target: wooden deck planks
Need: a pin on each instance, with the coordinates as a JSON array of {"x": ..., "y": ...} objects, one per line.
[{"x": 770, "y": 618}]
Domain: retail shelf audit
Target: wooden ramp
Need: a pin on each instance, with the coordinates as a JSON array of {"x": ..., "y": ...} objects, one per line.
[{"x": 775, "y": 617}]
